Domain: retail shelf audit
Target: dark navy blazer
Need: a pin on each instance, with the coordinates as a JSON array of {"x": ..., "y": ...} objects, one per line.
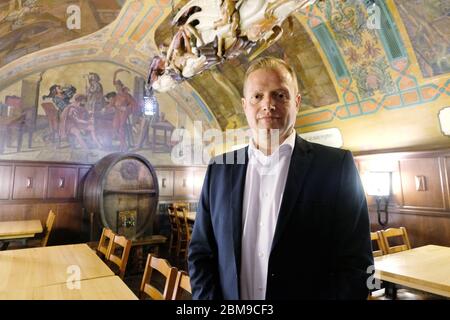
[{"x": 321, "y": 247}]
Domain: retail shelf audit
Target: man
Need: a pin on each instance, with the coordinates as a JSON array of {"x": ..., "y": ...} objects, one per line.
[{"x": 293, "y": 228}]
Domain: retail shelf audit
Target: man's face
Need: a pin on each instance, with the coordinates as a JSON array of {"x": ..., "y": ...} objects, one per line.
[{"x": 271, "y": 101}]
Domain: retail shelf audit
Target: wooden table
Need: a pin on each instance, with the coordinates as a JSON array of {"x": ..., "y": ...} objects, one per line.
[
  {"x": 18, "y": 230},
  {"x": 45, "y": 266},
  {"x": 190, "y": 215},
  {"x": 425, "y": 268},
  {"x": 105, "y": 288}
]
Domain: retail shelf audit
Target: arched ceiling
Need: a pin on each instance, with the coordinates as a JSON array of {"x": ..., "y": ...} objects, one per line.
[
  {"x": 130, "y": 41},
  {"x": 30, "y": 26}
]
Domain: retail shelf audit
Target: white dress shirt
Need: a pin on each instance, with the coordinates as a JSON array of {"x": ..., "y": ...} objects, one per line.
[{"x": 264, "y": 187}]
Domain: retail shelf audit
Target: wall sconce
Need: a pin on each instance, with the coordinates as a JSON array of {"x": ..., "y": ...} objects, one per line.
[{"x": 378, "y": 184}]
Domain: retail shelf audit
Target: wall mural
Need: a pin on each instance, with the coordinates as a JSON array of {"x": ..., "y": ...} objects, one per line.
[
  {"x": 427, "y": 23},
  {"x": 84, "y": 112},
  {"x": 27, "y": 26}
]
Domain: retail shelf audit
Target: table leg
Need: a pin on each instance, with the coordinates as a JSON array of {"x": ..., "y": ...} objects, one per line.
[
  {"x": 391, "y": 290},
  {"x": 4, "y": 246}
]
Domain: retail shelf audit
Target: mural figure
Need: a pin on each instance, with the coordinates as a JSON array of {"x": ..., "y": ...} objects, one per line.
[
  {"x": 18, "y": 10},
  {"x": 60, "y": 96},
  {"x": 125, "y": 105},
  {"x": 77, "y": 121},
  {"x": 427, "y": 25},
  {"x": 94, "y": 92},
  {"x": 211, "y": 31}
]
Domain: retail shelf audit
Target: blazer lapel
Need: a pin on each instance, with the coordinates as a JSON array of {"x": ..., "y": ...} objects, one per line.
[
  {"x": 237, "y": 185},
  {"x": 298, "y": 167}
]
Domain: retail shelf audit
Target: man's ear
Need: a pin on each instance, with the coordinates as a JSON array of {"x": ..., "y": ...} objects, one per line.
[{"x": 298, "y": 101}]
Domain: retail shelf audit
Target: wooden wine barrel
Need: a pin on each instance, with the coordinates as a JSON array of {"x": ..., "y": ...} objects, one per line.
[{"x": 122, "y": 192}]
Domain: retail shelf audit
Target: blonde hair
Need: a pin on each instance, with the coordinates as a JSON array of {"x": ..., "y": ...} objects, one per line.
[{"x": 270, "y": 63}]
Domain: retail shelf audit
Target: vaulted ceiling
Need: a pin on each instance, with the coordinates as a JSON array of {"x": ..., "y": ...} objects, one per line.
[{"x": 327, "y": 75}]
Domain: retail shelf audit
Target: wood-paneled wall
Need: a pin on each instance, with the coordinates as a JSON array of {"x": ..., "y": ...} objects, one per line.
[
  {"x": 420, "y": 199},
  {"x": 30, "y": 189}
]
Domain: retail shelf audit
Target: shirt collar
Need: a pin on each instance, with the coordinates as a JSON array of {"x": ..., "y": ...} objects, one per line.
[{"x": 285, "y": 148}]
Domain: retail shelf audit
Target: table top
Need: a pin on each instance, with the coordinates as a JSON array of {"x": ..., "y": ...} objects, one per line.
[
  {"x": 190, "y": 215},
  {"x": 19, "y": 229},
  {"x": 104, "y": 288},
  {"x": 424, "y": 268},
  {"x": 44, "y": 266}
]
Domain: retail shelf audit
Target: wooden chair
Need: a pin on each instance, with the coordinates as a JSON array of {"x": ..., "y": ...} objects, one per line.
[
  {"x": 48, "y": 228},
  {"x": 41, "y": 239},
  {"x": 119, "y": 261},
  {"x": 185, "y": 231},
  {"x": 395, "y": 232},
  {"x": 174, "y": 229},
  {"x": 376, "y": 236},
  {"x": 169, "y": 273},
  {"x": 181, "y": 283},
  {"x": 106, "y": 240}
]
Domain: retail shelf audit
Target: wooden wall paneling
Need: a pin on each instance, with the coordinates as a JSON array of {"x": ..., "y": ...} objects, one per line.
[
  {"x": 5, "y": 181},
  {"x": 445, "y": 162},
  {"x": 82, "y": 173},
  {"x": 68, "y": 223},
  {"x": 13, "y": 212},
  {"x": 422, "y": 229},
  {"x": 433, "y": 195},
  {"x": 29, "y": 182},
  {"x": 62, "y": 182},
  {"x": 165, "y": 182},
  {"x": 184, "y": 183},
  {"x": 199, "y": 177}
]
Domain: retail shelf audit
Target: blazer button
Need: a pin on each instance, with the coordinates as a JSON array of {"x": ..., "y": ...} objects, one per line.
[{"x": 272, "y": 275}]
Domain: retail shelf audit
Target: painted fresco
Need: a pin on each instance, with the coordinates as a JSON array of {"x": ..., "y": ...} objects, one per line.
[
  {"x": 428, "y": 25},
  {"x": 27, "y": 26},
  {"x": 360, "y": 46},
  {"x": 84, "y": 112}
]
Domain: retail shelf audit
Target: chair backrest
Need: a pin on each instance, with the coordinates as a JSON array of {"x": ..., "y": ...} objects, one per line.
[
  {"x": 395, "y": 232},
  {"x": 163, "y": 267},
  {"x": 376, "y": 236},
  {"x": 119, "y": 261},
  {"x": 175, "y": 224},
  {"x": 181, "y": 283},
  {"x": 182, "y": 214},
  {"x": 48, "y": 227},
  {"x": 106, "y": 240}
]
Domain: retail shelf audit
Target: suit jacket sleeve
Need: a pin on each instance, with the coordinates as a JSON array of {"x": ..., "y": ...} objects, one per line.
[
  {"x": 352, "y": 234},
  {"x": 202, "y": 259}
]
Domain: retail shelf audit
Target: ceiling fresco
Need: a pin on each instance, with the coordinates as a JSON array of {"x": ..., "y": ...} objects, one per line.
[
  {"x": 221, "y": 86},
  {"x": 126, "y": 35},
  {"x": 428, "y": 25},
  {"x": 27, "y": 26}
]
